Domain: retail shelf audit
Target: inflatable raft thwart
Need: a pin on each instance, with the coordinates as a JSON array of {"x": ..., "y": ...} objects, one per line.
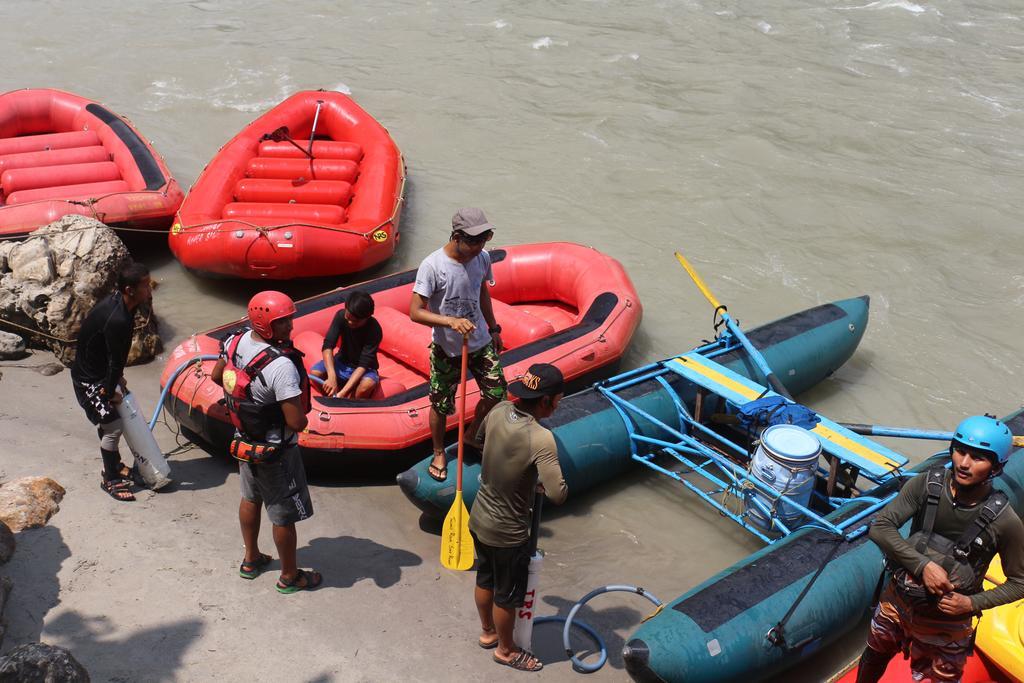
[
  {"x": 727, "y": 628},
  {"x": 62, "y": 154},
  {"x": 594, "y": 442},
  {"x": 558, "y": 303},
  {"x": 311, "y": 188}
]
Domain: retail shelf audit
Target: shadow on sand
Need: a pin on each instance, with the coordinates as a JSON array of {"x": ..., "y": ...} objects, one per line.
[
  {"x": 347, "y": 560},
  {"x": 92, "y": 639}
]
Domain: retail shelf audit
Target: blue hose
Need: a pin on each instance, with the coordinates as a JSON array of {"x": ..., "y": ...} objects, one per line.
[
  {"x": 180, "y": 369},
  {"x": 170, "y": 382},
  {"x": 578, "y": 664}
]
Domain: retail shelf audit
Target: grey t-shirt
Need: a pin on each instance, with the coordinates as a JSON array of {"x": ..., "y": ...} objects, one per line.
[
  {"x": 453, "y": 289},
  {"x": 282, "y": 378}
]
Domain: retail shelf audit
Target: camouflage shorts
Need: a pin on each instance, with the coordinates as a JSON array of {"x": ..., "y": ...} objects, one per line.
[
  {"x": 938, "y": 648},
  {"x": 484, "y": 365}
]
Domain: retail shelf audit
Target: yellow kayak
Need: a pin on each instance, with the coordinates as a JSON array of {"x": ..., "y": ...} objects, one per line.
[{"x": 1001, "y": 630}]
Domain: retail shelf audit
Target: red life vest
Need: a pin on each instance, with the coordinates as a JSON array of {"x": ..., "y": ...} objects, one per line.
[{"x": 254, "y": 419}]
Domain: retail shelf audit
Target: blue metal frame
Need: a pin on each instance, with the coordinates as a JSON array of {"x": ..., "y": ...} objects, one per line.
[{"x": 704, "y": 452}]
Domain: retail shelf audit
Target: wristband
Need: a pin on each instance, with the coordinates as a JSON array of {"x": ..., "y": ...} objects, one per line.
[{"x": 494, "y": 330}]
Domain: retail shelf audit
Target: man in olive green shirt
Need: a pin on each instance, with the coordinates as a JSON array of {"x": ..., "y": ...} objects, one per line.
[
  {"x": 926, "y": 608},
  {"x": 517, "y": 451}
]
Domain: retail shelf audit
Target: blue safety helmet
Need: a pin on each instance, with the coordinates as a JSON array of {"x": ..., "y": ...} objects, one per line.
[{"x": 987, "y": 434}]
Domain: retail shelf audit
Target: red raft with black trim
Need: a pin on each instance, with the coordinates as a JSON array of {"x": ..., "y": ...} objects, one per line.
[
  {"x": 62, "y": 154},
  {"x": 558, "y": 303},
  {"x": 311, "y": 188}
]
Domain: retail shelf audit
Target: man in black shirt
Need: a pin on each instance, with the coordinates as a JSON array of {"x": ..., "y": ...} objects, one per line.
[
  {"x": 355, "y": 362},
  {"x": 97, "y": 373}
]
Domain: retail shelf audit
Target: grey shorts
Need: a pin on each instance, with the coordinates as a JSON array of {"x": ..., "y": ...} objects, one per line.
[{"x": 280, "y": 486}]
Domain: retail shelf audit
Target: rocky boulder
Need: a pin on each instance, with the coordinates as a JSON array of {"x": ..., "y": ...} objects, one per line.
[
  {"x": 7, "y": 545},
  {"x": 12, "y": 346},
  {"x": 41, "y": 663},
  {"x": 50, "y": 281},
  {"x": 29, "y": 502},
  {"x": 5, "y": 592}
]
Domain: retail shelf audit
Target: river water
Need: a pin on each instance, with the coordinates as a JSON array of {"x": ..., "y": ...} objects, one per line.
[{"x": 797, "y": 152}]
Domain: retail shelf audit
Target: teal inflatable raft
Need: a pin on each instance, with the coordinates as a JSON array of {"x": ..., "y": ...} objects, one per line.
[
  {"x": 727, "y": 628},
  {"x": 594, "y": 443}
]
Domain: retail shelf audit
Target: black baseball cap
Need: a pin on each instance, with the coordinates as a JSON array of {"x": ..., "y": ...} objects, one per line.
[{"x": 542, "y": 379}]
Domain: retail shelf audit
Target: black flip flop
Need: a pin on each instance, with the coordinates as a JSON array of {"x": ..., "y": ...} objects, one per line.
[{"x": 442, "y": 472}]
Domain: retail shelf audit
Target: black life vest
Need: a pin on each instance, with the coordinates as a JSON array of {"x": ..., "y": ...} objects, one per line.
[
  {"x": 254, "y": 420},
  {"x": 965, "y": 560}
]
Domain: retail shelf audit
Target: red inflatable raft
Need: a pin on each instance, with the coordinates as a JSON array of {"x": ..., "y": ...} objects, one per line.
[
  {"x": 977, "y": 670},
  {"x": 556, "y": 302},
  {"x": 274, "y": 204},
  {"x": 62, "y": 154}
]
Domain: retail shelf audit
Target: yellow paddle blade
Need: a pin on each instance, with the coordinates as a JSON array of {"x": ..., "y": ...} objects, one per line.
[
  {"x": 456, "y": 543},
  {"x": 1018, "y": 442},
  {"x": 698, "y": 281}
]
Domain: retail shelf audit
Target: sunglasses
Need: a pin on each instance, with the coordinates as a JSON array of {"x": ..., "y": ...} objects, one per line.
[{"x": 479, "y": 239}]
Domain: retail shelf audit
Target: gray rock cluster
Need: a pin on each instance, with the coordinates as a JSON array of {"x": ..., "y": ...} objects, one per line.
[
  {"x": 50, "y": 281},
  {"x": 29, "y": 502},
  {"x": 24, "y": 503},
  {"x": 41, "y": 663}
]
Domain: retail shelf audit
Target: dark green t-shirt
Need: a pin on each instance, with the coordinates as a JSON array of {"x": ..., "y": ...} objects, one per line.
[
  {"x": 517, "y": 450},
  {"x": 1005, "y": 535}
]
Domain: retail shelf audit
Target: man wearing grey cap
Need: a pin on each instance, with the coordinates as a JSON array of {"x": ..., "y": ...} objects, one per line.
[{"x": 451, "y": 296}]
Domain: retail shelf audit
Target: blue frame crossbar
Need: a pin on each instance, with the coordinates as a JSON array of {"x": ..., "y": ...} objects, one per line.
[{"x": 703, "y": 451}]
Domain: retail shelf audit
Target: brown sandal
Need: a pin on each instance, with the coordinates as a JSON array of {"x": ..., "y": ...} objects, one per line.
[
  {"x": 118, "y": 489},
  {"x": 303, "y": 581},
  {"x": 524, "y": 660}
]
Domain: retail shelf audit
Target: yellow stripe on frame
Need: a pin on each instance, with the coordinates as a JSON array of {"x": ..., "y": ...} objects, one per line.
[
  {"x": 717, "y": 377},
  {"x": 856, "y": 447},
  {"x": 821, "y": 430}
]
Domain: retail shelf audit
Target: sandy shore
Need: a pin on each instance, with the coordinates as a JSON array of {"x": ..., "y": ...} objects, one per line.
[{"x": 148, "y": 591}]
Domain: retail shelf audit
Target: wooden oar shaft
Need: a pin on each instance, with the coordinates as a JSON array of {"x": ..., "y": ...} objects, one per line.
[
  {"x": 909, "y": 433},
  {"x": 773, "y": 381},
  {"x": 312, "y": 133},
  {"x": 698, "y": 281},
  {"x": 462, "y": 409}
]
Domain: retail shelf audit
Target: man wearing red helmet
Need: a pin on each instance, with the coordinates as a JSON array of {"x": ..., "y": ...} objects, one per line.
[
  {"x": 267, "y": 393},
  {"x": 960, "y": 521}
]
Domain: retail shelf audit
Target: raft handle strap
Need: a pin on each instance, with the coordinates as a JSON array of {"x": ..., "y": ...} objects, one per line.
[
  {"x": 717, "y": 321},
  {"x": 777, "y": 634}
]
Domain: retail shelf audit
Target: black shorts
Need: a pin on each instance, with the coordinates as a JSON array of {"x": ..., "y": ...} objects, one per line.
[
  {"x": 504, "y": 571},
  {"x": 97, "y": 408},
  {"x": 280, "y": 486}
]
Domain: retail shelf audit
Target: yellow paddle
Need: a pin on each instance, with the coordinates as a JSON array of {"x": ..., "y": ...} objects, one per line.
[
  {"x": 754, "y": 354},
  {"x": 456, "y": 543}
]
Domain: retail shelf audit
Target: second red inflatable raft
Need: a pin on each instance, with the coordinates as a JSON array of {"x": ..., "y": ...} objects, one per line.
[
  {"x": 311, "y": 188},
  {"x": 557, "y": 303}
]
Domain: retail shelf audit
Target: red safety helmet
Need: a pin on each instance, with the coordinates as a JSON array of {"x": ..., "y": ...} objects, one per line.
[{"x": 266, "y": 307}]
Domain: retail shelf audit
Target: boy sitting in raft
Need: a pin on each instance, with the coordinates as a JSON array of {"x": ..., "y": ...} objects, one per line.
[{"x": 355, "y": 363}]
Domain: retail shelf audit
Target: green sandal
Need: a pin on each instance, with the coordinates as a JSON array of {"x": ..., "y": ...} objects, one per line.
[
  {"x": 303, "y": 581},
  {"x": 250, "y": 570}
]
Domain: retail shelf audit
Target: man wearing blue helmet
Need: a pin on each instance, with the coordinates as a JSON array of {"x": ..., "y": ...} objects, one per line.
[{"x": 935, "y": 588}]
